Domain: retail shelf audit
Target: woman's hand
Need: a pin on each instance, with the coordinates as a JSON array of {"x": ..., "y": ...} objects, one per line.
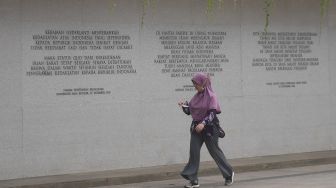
[
  {"x": 199, "y": 128},
  {"x": 181, "y": 103}
]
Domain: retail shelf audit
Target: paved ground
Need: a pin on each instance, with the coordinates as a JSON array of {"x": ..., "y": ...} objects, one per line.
[
  {"x": 256, "y": 179},
  {"x": 323, "y": 176}
]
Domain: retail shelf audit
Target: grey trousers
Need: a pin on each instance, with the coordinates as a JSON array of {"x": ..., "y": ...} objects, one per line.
[{"x": 190, "y": 170}]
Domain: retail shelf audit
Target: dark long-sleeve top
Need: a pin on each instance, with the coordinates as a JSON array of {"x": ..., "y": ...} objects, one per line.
[{"x": 207, "y": 120}]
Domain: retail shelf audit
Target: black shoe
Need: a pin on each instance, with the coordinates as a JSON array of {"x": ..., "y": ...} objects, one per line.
[
  {"x": 229, "y": 180},
  {"x": 192, "y": 184}
]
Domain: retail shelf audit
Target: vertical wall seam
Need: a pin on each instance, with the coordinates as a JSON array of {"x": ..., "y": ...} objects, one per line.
[
  {"x": 21, "y": 80},
  {"x": 330, "y": 78},
  {"x": 241, "y": 49},
  {"x": 241, "y": 62}
]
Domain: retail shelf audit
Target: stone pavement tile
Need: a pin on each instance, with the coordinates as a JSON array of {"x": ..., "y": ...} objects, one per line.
[
  {"x": 322, "y": 176},
  {"x": 147, "y": 174}
]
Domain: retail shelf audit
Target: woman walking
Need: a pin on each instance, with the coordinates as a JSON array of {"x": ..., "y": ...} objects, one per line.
[{"x": 203, "y": 108}]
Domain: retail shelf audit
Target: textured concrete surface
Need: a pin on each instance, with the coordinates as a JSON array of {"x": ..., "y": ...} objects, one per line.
[
  {"x": 322, "y": 176},
  {"x": 139, "y": 123},
  {"x": 148, "y": 174}
]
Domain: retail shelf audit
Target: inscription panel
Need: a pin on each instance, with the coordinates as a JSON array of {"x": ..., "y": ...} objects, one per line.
[
  {"x": 174, "y": 54},
  {"x": 279, "y": 59},
  {"x": 77, "y": 61}
]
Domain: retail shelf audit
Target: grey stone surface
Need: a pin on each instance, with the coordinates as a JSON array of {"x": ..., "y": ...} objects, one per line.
[
  {"x": 139, "y": 123},
  {"x": 312, "y": 176},
  {"x": 159, "y": 173}
]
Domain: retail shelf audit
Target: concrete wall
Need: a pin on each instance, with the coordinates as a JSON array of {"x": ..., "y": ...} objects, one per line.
[
  {"x": 137, "y": 123},
  {"x": 332, "y": 58}
]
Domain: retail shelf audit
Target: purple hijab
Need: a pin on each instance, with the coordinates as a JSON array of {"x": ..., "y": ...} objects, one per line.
[{"x": 203, "y": 101}]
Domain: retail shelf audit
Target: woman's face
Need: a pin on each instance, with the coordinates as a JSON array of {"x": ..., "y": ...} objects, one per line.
[{"x": 198, "y": 87}]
